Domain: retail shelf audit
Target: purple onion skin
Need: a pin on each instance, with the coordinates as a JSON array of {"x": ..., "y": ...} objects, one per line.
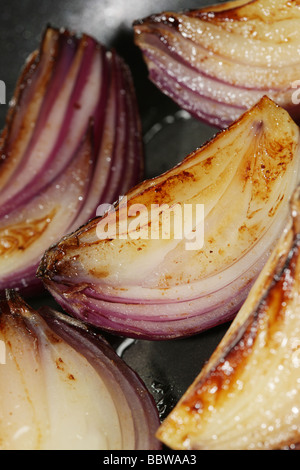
[
  {"x": 97, "y": 121},
  {"x": 104, "y": 316},
  {"x": 216, "y": 71}
]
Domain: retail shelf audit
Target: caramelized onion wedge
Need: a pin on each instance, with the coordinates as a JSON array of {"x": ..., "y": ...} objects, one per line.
[
  {"x": 247, "y": 395},
  {"x": 63, "y": 387},
  {"x": 218, "y": 61},
  {"x": 143, "y": 285},
  {"x": 72, "y": 140}
]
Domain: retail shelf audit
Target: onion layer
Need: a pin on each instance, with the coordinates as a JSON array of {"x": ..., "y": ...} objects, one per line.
[
  {"x": 247, "y": 395},
  {"x": 64, "y": 388},
  {"x": 72, "y": 140},
  {"x": 143, "y": 285},
  {"x": 218, "y": 61}
]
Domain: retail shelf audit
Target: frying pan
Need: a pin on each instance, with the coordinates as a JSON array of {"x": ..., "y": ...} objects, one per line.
[{"x": 167, "y": 367}]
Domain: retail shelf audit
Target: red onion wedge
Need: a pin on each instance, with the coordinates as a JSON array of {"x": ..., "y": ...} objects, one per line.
[
  {"x": 217, "y": 62},
  {"x": 143, "y": 281},
  {"x": 63, "y": 387},
  {"x": 72, "y": 140},
  {"x": 247, "y": 395}
]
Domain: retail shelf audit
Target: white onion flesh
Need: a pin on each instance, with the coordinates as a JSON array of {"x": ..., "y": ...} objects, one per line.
[
  {"x": 157, "y": 288},
  {"x": 62, "y": 387},
  {"x": 246, "y": 397}
]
